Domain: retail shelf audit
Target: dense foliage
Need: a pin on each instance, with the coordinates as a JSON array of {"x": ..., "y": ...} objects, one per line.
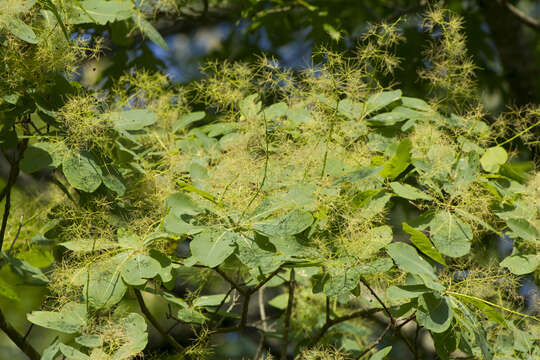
[{"x": 303, "y": 207}]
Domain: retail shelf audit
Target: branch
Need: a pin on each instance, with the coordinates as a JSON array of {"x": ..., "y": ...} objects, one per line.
[
  {"x": 18, "y": 339},
  {"x": 376, "y": 342},
  {"x": 156, "y": 323},
  {"x": 288, "y": 314},
  {"x": 332, "y": 322},
  {"x": 521, "y": 16},
  {"x": 392, "y": 319}
]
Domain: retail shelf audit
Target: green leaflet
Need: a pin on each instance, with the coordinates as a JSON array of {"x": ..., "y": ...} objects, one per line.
[
  {"x": 189, "y": 315},
  {"x": 399, "y": 162},
  {"x": 69, "y": 320},
  {"x": 104, "y": 285},
  {"x": 292, "y": 223},
  {"x": 360, "y": 174},
  {"x": 8, "y": 290},
  {"x": 381, "y": 354},
  {"x": 434, "y": 312},
  {"x": 521, "y": 264},
  {"x": 407, "y": 191},
  {"x": 18, "y": 28},
  {"x": 406, "y": 291},
  {"x": 423, "y": 244},
  {"x": 175, "y": 225},
  {"x": 523, "y": 229},
  {"x": 378, "y": 101},
  {"x": 137, "y": 268},
  {"x": 180, "y": 204},
  {"x": 407, "y": 259},
  {"x": 40, "y": 156},
  {"x": 491, "y": 312},
  {"x": 451, "y": 236},
  {"x": 71, "y": 353},
  {"x": 100, "y": 12},
  {"x": 82, "y": 171},
  {"x": 89, "y": 341},
  {"x": 212, "y": 247},
  {"x": 275, "y": 111},
  {"x": 132, "y": 120},
  {"x": 493, "y": 158},
  {"x": 134, "y": 327},
  {"x": 151, "y": 32},
  {"x": 209, "y": 300},
  {"x": 350, "y": 109},
  {"x": 280, "y": 301},
  {"x": 25, "y": 270},
  {"x": 187, "y": 119}
]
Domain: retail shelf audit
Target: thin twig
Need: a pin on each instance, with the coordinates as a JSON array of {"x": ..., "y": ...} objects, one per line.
[
  {"x": 288, "y": 314},
  {"x": 156, "y": 323},
  {"x": 392, "y": 319},
  {"x": 332, "y": 322},
  {"x": 16, "y": 235},
  {"x": 262, "y": 313},
  {"x": 376, "y": 342},
  {"x": 521, "y": 16}
]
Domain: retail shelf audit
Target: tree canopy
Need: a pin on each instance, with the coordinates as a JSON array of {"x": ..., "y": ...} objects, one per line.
[{"x": 312, "y": 180}]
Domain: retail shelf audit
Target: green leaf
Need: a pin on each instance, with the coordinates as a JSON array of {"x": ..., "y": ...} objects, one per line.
[
  {"x": 414, "y": 103},
  {"x": 209, "y": 300},
  {"x": 211, "y": 248},
  {"x": 25, "y": 270},
  {"x": 521, "y": 264},
  {"x": 407, "y": 191},
  {"x": 89, "y": 341},
  {"x": 166, "y": 265},
  {"x": 69, "y": 320},
  {"x": 292, "y": 223},
  {"x": 275, "y": 111},
  {"x": 150, "y": 31},
  {"x": 491, "y": 312},
  {"x": 8, "y": 290},
  {"x": 113, "y": 181},
  {"x": 134, "y": 328},
  {"x": 105, "y": 287},
  {"x": 187, "y": 119},
  {"x": 378, "y": 101},
  {"x": 72, "y": 353},
  {"x": 175, "y": 225},
  {"x": 190, "y": 316},
  {"x": 523, "y": 229},
  {"x": 50, "y": 352},
  {"x": 330, "y": 30},
  {"x": 423, "y": 244},
  {"x": 407, "y": 259},
  {"x": 82, "y": 171},
  {"x": 406, "y": 291},
  {"x": 132, "y": 120},
  {"x": 101, "y": 12},
  {"x": 493, "y": 158},
  {"x": 249, "y": 106},
  {"x": 361, "y": 174},
  {"x": 88, "y": 245},
  {"x": 387, "y": 119},
  {"x": 35, "y": 158},
  {"x": 280, "y": 301},
  {"x": 381, "y": 354},
  {"x": 138, "y": 268},
  {"x": 434, "y": 312},
  {"x": 350, "y": 109},
  {"x": 18, "y": 28},
  {"x": 451, "y": 236},
  {"x": 399, "y": 162},
  {"x": 376, "y": 266}
]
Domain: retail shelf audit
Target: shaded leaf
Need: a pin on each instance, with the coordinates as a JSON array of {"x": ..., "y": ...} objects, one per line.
[
  {"x": 423, "y": 244},
  {"x": 69, "y": 320},
  {"x": 211, "y": 248},
  {"x": 292, "y": 223},
  {"x": 82, "y": 171},
  {"x": 451, "y": 236},
  {"x": 521, "y": 264},
  {"x": 407, "y": 191},
  {"x": 378, "y": 101},
  {"x": 434, "y": 312}
]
